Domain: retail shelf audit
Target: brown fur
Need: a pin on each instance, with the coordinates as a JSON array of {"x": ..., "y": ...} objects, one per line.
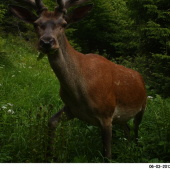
[{"x": 99, "y": 92}]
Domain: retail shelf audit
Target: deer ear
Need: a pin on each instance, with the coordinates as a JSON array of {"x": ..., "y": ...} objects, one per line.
[
  {"x": 78, "y": 14},
  {"x": 23, "y": 13}
]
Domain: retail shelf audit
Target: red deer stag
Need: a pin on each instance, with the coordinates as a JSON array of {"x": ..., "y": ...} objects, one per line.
[{"x": 93, "y": 88}]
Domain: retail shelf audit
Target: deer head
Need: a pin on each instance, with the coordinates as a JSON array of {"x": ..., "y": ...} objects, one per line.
[{"x": 49, "y": 26}]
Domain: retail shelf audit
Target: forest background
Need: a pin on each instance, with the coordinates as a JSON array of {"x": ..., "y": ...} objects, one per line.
[{"x": 133, "y": 33}]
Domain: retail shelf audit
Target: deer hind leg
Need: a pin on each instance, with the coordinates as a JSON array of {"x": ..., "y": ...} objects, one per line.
[
  {"x": 53, "y": 124},
  {"x": 137, "y": 120},
  {"x": 126, "y": 129},
  {"x": 106, "y": 138}
]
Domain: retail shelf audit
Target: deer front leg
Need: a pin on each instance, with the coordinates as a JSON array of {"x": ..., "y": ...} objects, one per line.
[
  {"x": 53, "y": 124},
  {"x": 107, "y": 137}
]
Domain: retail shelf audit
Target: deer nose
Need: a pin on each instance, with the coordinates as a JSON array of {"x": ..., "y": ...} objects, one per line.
[{"x": 47, "y": 45}]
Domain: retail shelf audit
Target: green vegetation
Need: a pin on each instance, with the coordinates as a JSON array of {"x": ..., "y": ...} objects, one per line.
[
  {"x": 30, "y": 95},
  {"x": 129, "y": 32}
]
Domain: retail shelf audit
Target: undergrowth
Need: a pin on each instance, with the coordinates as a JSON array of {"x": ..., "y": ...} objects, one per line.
[{"x": 29, "y": 96}]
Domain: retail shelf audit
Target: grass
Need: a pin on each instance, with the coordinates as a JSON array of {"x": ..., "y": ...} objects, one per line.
[{"x": 29, "y": 96}]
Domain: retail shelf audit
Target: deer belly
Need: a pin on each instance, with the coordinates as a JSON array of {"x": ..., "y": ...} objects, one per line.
[
  {"x": 86, "y": 115},
  {"x": 124, "y": 114}
]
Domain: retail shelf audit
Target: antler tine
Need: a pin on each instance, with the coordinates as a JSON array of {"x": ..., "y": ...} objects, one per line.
[
  {"x": 40, "y": 6},
  {"x": 61, "y": 6},
  {"x": 30, "y": 3},
  {"x": 35, "y": 4}
]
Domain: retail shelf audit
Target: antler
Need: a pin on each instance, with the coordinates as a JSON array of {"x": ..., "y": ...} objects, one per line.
[
  {"x": 63, "y": 5},
  {"x": 35, "y": 4},
  {"x": 40, "y": 6}
]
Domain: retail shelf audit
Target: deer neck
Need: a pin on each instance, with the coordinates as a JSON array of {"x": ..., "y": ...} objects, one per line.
[{"x": 65, "y": 63}]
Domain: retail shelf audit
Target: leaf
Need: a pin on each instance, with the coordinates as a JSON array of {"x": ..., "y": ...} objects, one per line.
[
  {"x": 155, "y": 160},
  {"x": 161, "y": 143},
  {"x": 40, "y": 56}
]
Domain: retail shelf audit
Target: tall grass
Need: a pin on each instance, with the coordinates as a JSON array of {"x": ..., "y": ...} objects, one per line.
[
  {"x": 29, "y": 95},
  {"x": 26, "y": 86}
]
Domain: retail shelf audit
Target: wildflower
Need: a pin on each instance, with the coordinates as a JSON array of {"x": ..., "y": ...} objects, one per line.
[
  {"x": 150, "y": 97},
  {"x": 3, "y": 107},
  {"x": 13, "y": 75},
  {"x": 29, "y": 67},
  {"x": 0, "y": 84},
  {"x": 11, "y": 111},
  {"x": 124, "y": 138},
  {"x": 10, "y": 104},
  {"x": 1, "y": 67},
  {"x": 19, "y": 71}
]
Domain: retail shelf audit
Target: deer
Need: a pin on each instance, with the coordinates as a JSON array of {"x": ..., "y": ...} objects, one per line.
[{"x": 92, "y": 88}]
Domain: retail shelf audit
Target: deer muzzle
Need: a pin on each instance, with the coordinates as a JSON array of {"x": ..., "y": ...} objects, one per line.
[{"x": 47, "y": 45}]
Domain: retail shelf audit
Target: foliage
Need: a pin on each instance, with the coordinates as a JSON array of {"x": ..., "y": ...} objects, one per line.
[
  {"x": 105, "y": 29},
  {"x": 152, "y": 23},
  {"x": 2, "y": 12},
  {"x": 132, "y": 33},
  {"x": 30, "y": 95}
]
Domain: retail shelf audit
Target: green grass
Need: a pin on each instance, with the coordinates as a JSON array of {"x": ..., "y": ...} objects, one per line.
[{"x": 29, "y": 96}]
